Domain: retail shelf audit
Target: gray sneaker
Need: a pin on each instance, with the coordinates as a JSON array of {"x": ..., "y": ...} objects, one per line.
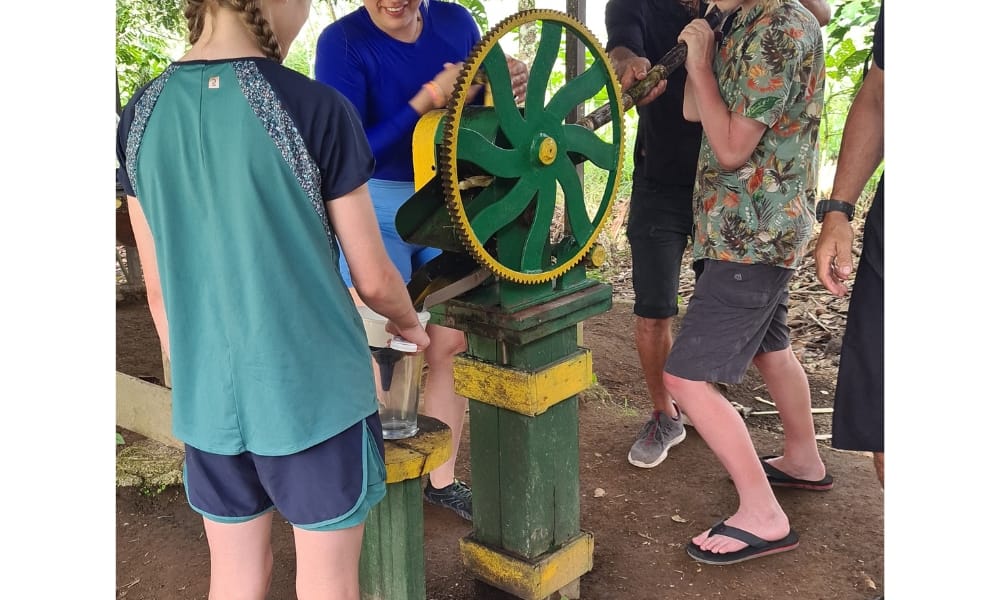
[{"x": 658, "y": 436}]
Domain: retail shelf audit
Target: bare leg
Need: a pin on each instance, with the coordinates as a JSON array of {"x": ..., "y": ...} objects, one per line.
[
  {"x": 440, "y": 399},
  {"x": 240, "y": 558},
  {"x": 726, "y": 434},
  {"x": 787, "y": 383},
  {"x": 653, "y": 340},
  {"x": 879, "y": 458},
  {"x": 327, "y": 564}
]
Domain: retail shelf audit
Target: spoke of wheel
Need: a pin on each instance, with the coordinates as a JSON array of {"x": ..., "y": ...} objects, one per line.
[
  {"x": 476, "y": 149},
  {"x": 494, "y": 217},
  {"x": 492, "y": 193},
  {"x": 541, "y": 68},
  {"x": 576, "y": 209},
  {"x": 585, "y": 142},
  {"x": 577, "y": 91},
  {"x": 511, "y": 121},
  {"x": 535, "y": 252}
]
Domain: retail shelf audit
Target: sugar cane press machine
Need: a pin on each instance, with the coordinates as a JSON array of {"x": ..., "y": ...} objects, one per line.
[{"x": 498, "y": 189}]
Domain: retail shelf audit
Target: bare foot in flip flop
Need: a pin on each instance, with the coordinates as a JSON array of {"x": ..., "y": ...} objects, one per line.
[
  {"x": 782, "y": 473},
  {"x": 729, "y": 541}
]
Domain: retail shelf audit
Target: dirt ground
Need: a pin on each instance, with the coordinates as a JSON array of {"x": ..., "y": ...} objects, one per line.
[{"x": 640, "y": 524}]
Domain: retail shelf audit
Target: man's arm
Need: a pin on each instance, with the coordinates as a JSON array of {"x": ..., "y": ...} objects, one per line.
[
  {"x": 861, "y": 151},
  {"x": 623, "y": 20},
  {"x": 863, "y": 143},
  {"x": 732, "y": 136},
  {"x": 630, "y": 68}
]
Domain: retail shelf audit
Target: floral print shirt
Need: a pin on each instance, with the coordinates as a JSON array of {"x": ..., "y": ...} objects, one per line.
[{"x": 771, "y": 68}]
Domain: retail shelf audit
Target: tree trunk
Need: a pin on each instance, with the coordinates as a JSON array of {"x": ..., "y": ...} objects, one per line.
[{"x": 528, "y": 38}]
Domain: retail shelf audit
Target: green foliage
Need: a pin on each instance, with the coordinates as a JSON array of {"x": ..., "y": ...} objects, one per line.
[
  {"x": 147, "y": 31},
  {"x": 478, "y": 10},
  {"x": 301, "y": 57},
  {"x": 848, "y": 46},
  {"x": 119, "y": 440},
  {"x": 153, "y": 491}
]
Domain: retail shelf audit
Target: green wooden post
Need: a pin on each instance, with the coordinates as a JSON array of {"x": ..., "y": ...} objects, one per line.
[
  {"x": 392, "y": 552},
  {"x": 522, "y": 374}
]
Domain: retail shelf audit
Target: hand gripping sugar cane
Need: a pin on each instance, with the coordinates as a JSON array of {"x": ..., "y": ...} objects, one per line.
[{"x": 663, "y": 68}]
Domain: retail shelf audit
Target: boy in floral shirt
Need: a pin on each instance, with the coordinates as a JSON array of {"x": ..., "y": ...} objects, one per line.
[{"x": 759, "y": 100}]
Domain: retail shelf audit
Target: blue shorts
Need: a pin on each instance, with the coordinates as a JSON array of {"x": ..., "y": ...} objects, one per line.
[
  {"x": 388, "y": 196},
  {"x": 329, "y": 486},
  {"x": 736, "y": 312}
]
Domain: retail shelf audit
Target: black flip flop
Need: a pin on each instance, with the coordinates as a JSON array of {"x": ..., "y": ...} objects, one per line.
[
  {"x": 778, "y": 478},
  {"x": 757, "y": 547}
]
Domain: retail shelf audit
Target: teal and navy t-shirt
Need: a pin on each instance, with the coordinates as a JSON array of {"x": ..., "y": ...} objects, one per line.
[{"x": 232, "y": 162}]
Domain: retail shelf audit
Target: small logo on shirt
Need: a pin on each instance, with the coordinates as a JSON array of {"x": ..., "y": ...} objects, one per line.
[{"x": 213, "y": 82}]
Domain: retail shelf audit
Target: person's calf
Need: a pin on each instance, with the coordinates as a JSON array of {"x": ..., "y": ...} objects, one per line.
[{"x": 879, "y": 460}]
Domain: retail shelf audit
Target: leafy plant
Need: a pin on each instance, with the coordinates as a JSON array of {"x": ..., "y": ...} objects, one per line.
[
  {"x": 151, "y": 491},
  {"x": 478, "y": 10},
  {"x": 848, "y": 46},
  {"x": 147, "y": 31}
]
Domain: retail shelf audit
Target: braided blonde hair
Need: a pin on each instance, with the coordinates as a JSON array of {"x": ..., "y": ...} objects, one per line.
[{"x": 252, "y": 17}]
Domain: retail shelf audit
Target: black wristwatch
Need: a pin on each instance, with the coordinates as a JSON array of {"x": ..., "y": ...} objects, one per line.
[{"x": 825, "y": 206}]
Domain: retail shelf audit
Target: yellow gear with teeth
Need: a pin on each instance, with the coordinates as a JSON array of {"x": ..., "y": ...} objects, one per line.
[{"x": 500, "y": 165}]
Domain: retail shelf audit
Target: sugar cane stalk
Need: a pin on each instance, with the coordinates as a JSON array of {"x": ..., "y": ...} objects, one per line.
[{"x": 673, "y": 59}]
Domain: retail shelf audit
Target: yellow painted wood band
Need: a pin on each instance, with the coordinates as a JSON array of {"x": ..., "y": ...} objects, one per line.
[
  {"x": 534, "y": 580},
  {"x": 413, "y": 457},
  {"x": 523, "y": 392}
]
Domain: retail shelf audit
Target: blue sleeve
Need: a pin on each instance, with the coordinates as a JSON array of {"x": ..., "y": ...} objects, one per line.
[
  {"x": 345, "y": 162},
  {"x": 339, "y": 65},
  {"x": 124, "y": 129},
  {"x": 471, "y": 28},
  {"x": 329, "y": 126}
]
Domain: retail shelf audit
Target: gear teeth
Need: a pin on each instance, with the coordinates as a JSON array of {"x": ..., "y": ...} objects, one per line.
[{"x": 447, "y": 151}]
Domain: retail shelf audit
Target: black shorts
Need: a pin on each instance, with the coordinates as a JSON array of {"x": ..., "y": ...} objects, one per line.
[
  {"x": 859, "y": 402},
  {"x": 659, "y": 228},
  {"x": 736, "y": 312}
]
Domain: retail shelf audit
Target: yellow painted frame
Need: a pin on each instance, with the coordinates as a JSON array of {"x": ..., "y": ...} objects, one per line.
[
  {"x": 534, "y": 580},
  {"x": 524, "y": 392}
]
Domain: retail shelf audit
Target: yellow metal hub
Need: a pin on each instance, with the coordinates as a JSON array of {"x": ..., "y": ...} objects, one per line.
[{"x": 547, "y": 150}]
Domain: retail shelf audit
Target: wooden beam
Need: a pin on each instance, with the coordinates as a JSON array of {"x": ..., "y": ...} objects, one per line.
[{"x": 144, "y": 408}]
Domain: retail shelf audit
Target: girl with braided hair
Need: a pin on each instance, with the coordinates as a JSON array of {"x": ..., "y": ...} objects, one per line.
[{"x": 245, "y": 182}]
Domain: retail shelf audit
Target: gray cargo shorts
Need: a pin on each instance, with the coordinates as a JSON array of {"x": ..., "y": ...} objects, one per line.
[{"x": 736, "y": 312}]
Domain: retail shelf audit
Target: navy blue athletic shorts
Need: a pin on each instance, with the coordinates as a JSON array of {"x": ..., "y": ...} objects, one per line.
[
  {"x": 329, "y": 486},
  {"x": 658, "y": 231},
  {"x": 736, "y": 312}
]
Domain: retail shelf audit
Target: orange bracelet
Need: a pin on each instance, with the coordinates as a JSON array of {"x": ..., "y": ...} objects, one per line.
[{"x": 437, "y": 95}]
